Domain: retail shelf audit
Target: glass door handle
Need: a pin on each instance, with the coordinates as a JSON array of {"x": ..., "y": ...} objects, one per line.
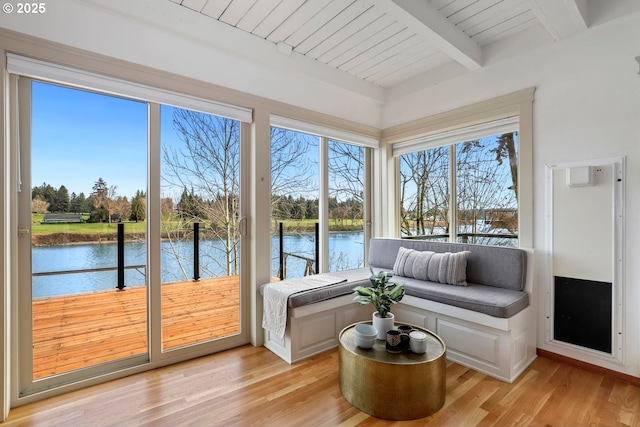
[{"x": 242, "y": 227}]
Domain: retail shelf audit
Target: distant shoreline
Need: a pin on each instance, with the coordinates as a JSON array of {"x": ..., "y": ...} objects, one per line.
[
  {"x": 68, "y": 239},
  {"x": 64, "y": 239}
]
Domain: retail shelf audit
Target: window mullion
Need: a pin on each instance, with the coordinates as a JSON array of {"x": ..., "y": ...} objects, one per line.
[
  {"x": 154, "y": 219},
  {"x": 323, "y": 206},
  {"x": 453, "y": 200}
]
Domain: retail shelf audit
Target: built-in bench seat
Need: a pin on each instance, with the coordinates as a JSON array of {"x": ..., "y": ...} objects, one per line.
[
  {"x": 497, "y": 302},
  {"x": 488, "y": 324}
]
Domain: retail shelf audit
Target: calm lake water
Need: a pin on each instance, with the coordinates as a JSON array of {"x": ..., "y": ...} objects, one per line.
[{"x": 346, "y": 249}]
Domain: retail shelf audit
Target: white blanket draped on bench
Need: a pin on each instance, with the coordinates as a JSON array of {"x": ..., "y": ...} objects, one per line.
[{"x": 276, "y": 295}]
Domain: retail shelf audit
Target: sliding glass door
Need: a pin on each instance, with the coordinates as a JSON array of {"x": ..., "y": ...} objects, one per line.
[
  {"x": 200, "y": 211},
  {"x": 83, "y": 186},
  {"x": 105, "y": 282}
]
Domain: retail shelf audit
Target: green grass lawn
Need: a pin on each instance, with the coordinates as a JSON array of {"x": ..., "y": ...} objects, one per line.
[
  {"x": 309, "y": 224},
  {"x": 37, "y": 227},
  {"x": 130, "y": 227}
]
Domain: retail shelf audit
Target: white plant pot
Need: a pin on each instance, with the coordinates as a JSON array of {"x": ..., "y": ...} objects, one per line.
[{"x": 382, "y": 324}]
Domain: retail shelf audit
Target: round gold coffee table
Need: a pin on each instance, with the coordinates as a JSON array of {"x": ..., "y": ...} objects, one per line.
[{"x": 401, "y": 386}]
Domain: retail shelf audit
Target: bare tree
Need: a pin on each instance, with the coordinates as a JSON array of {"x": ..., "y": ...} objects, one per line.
[
  {"x": 485, "y": 202},
  {"x": 208, "y": 162},
  {"x": 484, "y": 192},
  {"x": 111, "y": 202},
  {"x": 39, "y": 206},
  {"x": 291, "y": 170},
  {"x": 424, "y": 191},
  {"x": 346, "y": 182},
  {"x": 346, "y": 166},
  {"x": 122, "y": 207}
]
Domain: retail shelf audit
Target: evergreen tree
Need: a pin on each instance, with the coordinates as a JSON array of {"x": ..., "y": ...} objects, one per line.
[
  {"x": 47, "y": 193},
  {"x": 99, "y": 197},
  {"x": 138, "y": 207},
  {"x": 78, "y": 203},
  {"x": 191, "y": 206},
  {"x": 507, "y": 149},
  {"x": 61, "y": 203}
]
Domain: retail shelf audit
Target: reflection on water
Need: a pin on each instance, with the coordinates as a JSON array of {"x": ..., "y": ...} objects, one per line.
[
  {"x": 84, "y": 257},
  {"x": 346, "y": 249}
]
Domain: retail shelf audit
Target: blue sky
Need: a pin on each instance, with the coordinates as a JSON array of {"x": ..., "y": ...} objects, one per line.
[{"x": 79, "y": 136}]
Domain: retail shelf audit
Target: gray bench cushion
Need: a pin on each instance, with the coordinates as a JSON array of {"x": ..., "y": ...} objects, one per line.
[
  {"x": 355, "y": 277},
  {"x": 489, "y": 300}
]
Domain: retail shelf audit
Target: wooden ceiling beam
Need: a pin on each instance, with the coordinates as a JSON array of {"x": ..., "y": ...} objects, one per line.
[
  {"x": 562, "y": 19},
  {"x": 442, "y": 34}
]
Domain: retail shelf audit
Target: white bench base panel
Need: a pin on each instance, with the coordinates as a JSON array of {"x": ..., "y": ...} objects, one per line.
[
  {"x": 501, "y": 348},
  {"x": 314, "y": 328}
]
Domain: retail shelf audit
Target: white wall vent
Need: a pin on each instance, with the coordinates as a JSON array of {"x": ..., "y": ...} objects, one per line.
[{"x": 580, "y": 176}]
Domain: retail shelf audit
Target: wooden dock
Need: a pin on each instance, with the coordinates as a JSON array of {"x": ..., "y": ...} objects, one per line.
[{"x": 76, "y": 331}]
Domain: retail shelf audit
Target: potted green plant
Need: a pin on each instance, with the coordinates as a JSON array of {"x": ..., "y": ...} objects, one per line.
[{"x": 382, "y": 294}]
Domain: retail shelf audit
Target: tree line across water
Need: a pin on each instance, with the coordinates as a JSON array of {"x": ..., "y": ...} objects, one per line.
[{"x": 104, "y": 205}]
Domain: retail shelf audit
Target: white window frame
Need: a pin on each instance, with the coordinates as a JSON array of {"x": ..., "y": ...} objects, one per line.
[
  {"x": 325, "y": 133},
  {"x": 487, "y": 116},
  {"x": 74, "y": 77},
  {"x": 451, "y": 139}
]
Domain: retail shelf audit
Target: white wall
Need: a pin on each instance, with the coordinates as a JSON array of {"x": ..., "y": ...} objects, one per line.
[{"x": 587, "y": 106}]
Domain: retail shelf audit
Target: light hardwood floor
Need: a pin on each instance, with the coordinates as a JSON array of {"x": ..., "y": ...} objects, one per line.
[{"x": 249, "y": 386}]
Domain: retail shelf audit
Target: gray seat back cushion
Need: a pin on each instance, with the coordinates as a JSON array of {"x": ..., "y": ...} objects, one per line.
[{"x": 486, "y": 265}]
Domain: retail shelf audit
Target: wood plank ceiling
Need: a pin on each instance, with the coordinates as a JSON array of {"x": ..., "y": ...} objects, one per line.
[{"x": 382, "y": 41}]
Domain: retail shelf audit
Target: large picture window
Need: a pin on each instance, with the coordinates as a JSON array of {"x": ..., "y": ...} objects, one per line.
[{"x": 463, "y": 192}]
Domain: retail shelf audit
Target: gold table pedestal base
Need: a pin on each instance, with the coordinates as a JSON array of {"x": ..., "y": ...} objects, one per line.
[{"x": 401, "y": 386}]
